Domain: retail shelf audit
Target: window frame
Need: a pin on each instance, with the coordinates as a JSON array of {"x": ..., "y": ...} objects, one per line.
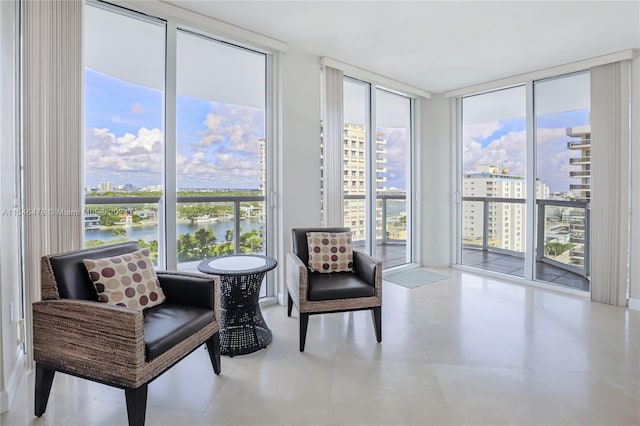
[{"x": 217, "y": 31}]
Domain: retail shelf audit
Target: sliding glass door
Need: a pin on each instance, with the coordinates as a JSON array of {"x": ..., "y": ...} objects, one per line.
[
  {"x": 377, "y": 171},
  {"x": 563, "y": 152},
  {"x": 393, "y": 173},
  {"x": 534, "y": 227},
  {"x": 494, "y": 181}
]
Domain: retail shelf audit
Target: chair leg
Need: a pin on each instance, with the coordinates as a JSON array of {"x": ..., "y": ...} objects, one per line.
[
  {"x": 136, "y": 405},
  {"x": 304, "y": 322},
  {"x": 213, "y": 347},
  {"x": 376, "y": 315},
  {"x": 44, "y": 380},
  {"x": 289, "y": 305}
]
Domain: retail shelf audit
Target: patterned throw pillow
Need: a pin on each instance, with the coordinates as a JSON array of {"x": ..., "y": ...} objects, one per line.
[
  {"x": 128, "y": 280},
  {"x": 330, "y": 252}
]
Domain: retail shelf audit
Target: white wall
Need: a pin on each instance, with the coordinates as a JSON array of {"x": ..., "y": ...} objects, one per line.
[
  {"x": 434, "y": 172},
  {"x": 634, "y": 301},
  {"x": 11, "y": 357},
  {"x": 300, "y": 157}
]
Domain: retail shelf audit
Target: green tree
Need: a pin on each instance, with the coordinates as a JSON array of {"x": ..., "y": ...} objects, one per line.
[
  {"x": 115, "y": 232},
  {"x": 555, "y": 248}
]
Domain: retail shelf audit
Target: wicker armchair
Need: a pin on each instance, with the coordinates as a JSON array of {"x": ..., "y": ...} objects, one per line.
[
  {"x": 320, "y": 293},
  {"x": 75, "y": 334}
]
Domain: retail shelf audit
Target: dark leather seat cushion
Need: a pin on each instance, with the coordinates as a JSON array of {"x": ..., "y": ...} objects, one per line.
[
  {"x": 337, "y": 285},
  {"x": 167, "y": 325}
]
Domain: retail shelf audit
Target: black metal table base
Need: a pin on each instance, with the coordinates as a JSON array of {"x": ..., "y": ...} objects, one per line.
[{"x": 242, "y": 327}]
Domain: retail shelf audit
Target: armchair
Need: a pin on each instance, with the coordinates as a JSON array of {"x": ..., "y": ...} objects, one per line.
[
  {"x": 76, "y": 334},
  {"x": 319, "y": 293}
]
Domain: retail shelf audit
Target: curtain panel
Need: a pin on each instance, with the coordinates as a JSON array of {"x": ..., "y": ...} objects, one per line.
[
  {"x": 52, "y": 117},
  {"x": 333, "y": 142},
  {"x": 610, "y": 182}
]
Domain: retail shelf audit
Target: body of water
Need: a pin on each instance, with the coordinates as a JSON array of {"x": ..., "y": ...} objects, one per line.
[{"x": 150, "y": 232}]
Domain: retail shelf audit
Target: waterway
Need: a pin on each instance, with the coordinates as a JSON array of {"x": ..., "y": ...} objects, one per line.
[{"x": 149, "y": 232}]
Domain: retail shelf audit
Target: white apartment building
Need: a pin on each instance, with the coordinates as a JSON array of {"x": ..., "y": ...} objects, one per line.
[
  {"x": 105, "y": 186},
  {"x": 506, "y": 221},
  {"x": 355, "y": 172},
  {"x": 582, "y": 190}
]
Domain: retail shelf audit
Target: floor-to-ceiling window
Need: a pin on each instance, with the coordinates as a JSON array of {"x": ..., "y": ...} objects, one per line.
[
  {"x": 563, "y": 154},
  {"x": 124, "y": 127},
  {"x": 176, "y": 149},
  {"x": 494, "y": 179},
  {"x": 377, "y": 170},
  {"x": 221, "y": 150},
  {"x": 355, "y": 154},
  {"x": 534, "y": 227},
  {"x": 393, "y": 172}
]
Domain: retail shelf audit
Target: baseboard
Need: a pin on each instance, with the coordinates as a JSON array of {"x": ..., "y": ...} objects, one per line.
[
  {"x": 634, "y": 304},
  {"x": 8, "y": 394}
]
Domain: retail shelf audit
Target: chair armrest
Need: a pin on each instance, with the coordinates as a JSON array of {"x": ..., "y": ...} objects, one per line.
[
  {"x": 91, "y": 338},
  {"x": 189, "y": 289},
  {"x": 366, "y": 267},
  {"x": 297, "y": 278}
]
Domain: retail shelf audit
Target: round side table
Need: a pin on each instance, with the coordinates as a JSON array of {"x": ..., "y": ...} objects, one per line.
[{"x": 242, "y": 327}]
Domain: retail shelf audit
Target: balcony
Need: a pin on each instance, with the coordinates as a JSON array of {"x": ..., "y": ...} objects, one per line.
[
  {"x": 579, "y": 187},
  {"x": 564, "y": 255},
  {"x": 580, "y": 174},
  {"x": 584, "y": 143},
  {"x": 513, "y": 264},
  {"x": 580, "y": 160},
  {"x": 391, "y": 238}
]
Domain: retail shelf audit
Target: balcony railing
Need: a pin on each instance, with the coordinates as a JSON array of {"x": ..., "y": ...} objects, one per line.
[
  {"x": 580, "y": 174},
  {"x": 580, "y": 160},
  {"x": 235, "y": 200},
  {"x": 579, "y": 144},
  {"x": 580, "y": 187},
  {"x": 578, "y": 220}
]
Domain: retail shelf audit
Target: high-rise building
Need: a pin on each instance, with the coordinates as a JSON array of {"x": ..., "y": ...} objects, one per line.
[
  {"x": 105, "y": 186},
  {"x": 506, "y": 221},
  {"x": 582, "y": 190},
  {"x": 355, "y": 172}
]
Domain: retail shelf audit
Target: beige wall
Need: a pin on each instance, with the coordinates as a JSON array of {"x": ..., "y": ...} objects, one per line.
[
  {"x": 300, "y": 157},
  {"x": 436, "y": 163}
]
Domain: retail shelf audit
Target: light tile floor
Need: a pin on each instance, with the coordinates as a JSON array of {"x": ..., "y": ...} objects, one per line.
[{"x": 466, "y": 350}]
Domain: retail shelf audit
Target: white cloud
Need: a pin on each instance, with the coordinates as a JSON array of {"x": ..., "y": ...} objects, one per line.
[
  {"x": 141, "y": 153},
  {"x": 227, "y": 151},
  {"x": 510, "y": 151}
]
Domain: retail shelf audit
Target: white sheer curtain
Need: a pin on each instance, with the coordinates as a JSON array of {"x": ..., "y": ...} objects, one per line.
[
  {"x": 610, "y": 188},
  {"x": 333, "y": 142},
  {"x": 52, "y": 113}
]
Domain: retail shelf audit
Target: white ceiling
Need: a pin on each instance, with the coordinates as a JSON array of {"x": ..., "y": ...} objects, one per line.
[{"x": 440, "y": 45}]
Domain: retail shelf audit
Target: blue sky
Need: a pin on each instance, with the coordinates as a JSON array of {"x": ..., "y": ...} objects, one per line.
[
  {"x": 503, "y": 143},
  {"x": 217, "y": 143}
]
